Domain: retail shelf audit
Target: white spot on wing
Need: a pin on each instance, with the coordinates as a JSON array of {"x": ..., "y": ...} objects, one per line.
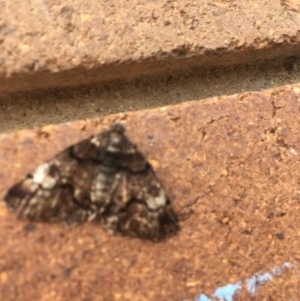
[
  {"x": 41, "y": 176},
  {"x": 157, "y": 202},
  {"x": 40, "y": 173}
]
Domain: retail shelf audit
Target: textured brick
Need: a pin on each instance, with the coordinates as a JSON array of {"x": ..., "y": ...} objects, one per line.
[
  {"x": 64, "y": 43},
  {"x": 231, "y": 165}
]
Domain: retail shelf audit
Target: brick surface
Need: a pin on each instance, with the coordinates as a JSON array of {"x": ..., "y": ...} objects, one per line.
[
  {"x": 63, "y": 43},
  {"x": 231, "y": 166}
]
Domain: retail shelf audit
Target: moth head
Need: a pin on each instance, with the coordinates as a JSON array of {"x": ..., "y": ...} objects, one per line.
[
  {"x": 115, "y": 149},
  {"x": 117, "y": 127},
  {"x": 114, "y": 140}
]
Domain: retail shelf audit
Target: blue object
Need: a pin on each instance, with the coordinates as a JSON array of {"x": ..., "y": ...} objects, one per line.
[{"x": 228, "y": 291}]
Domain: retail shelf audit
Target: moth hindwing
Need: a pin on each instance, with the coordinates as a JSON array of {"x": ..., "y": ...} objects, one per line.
[{"x": 103, "y": 179}]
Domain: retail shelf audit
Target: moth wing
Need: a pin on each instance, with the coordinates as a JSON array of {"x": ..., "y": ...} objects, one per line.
[
  {"x": 55, "y": 191},
  {"x": 140, "y": 207}
]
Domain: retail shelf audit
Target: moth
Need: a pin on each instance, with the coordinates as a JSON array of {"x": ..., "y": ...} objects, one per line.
[{"x": 103, "y": 179}]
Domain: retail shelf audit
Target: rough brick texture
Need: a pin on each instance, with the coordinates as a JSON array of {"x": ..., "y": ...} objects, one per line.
[
  {"x": 231, "y": 165},
  {"x": 63, "y": 43}
]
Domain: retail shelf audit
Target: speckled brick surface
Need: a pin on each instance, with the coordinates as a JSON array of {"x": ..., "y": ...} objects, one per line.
[
  {"x": 231, "y": 166},
  {"x": 63, "y": 43}
]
